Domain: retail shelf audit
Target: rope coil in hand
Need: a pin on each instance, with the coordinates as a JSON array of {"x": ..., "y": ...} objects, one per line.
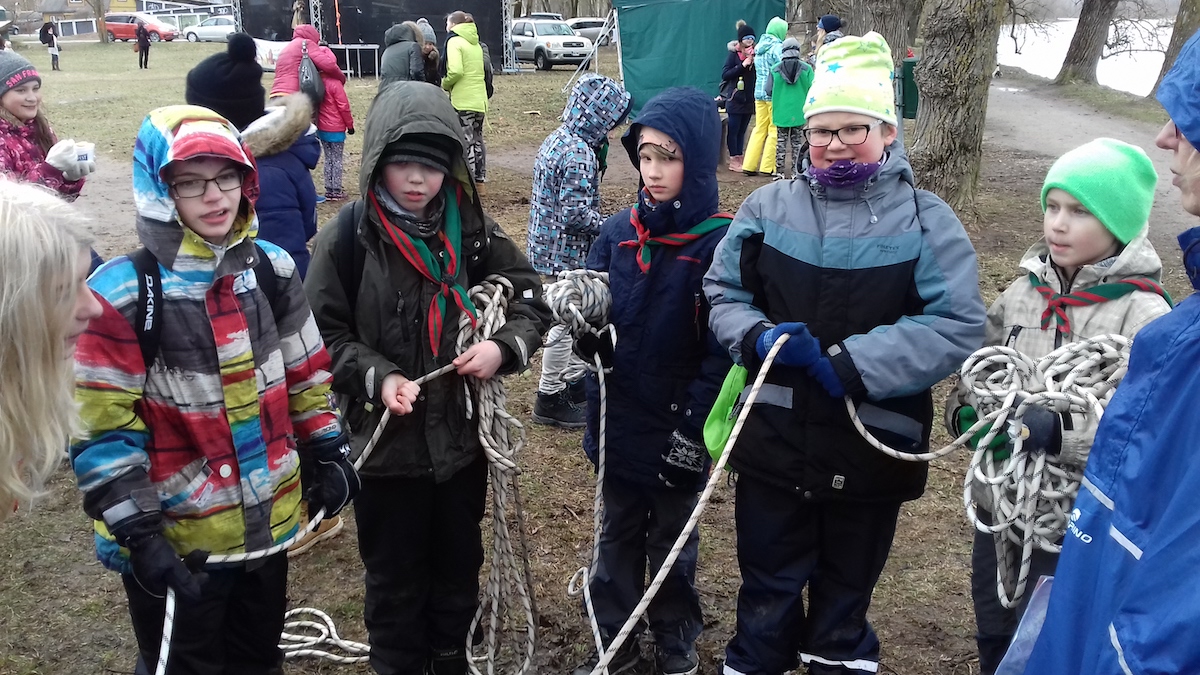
[
  {"x": 1032, "y": 493},
  {"x": 502, "y": 437}
]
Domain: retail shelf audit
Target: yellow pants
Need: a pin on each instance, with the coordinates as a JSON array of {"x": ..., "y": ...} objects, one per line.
[{"x": 762, "y": 142}]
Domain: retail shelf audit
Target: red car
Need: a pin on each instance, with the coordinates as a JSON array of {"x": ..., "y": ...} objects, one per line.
[{"x": 123, "y": 26}]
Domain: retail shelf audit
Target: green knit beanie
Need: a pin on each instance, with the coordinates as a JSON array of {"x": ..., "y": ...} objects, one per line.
[
  {"x": 777, "y": 27},
  {"x": 854, "y": 75},
  {"x": 1113, "y": 180}
]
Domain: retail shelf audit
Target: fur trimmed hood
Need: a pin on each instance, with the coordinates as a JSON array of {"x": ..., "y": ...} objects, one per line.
[{"x": 284, "y": 122}]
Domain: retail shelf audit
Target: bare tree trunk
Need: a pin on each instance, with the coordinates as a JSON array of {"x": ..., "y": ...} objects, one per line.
[
  {"x": 1187, "y": 21},
  {"x": 889, "y": 18},
  {"x": 952, "y": 78},
  {"x": 1087, "y": 45}
]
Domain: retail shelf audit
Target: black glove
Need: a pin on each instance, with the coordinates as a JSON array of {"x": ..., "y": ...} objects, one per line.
[
  {"x": 685, "y": 462},
  {"x": 350, "y": 131},
  {"x": 331, "y": 480},
  {"x": 156, "y": 566},
  {"x": 588, "y": 345},
  {"x": 1043, "y": 429}
]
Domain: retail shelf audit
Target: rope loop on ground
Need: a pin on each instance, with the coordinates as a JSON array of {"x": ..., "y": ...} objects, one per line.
[{"x": 502, "y": 437}]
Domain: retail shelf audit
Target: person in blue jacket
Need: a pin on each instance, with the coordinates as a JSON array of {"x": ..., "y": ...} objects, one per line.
[
  {"x": 667, "y": 369},
  {"x": 1124, "y": 598},
  {"x": 281, "y": 138}
]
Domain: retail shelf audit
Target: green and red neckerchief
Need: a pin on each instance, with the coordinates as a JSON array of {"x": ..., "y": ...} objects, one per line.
[
  {"x": 1057, "y": 304},
  {"x": 644, "y": 241},
  {"x": 441, "y": 270}
]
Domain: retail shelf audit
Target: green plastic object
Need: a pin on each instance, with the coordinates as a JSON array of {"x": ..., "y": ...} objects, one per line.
[
  {"x": 723, "y": 416},
  {"x": 908, "y": 87}
]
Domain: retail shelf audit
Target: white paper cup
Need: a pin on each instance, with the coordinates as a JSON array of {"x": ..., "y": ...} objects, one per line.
[{"x": 85, "y": 152}]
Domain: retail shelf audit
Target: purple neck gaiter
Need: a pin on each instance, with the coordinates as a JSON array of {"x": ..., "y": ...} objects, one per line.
[{"x": 844, "y": 173}]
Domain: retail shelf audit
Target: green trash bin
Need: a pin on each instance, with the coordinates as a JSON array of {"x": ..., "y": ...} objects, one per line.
[{"x": 908, "y": 87}]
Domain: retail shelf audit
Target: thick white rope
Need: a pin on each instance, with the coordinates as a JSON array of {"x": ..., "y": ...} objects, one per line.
[
  {"x": 502, "y": 437},
  {"x": 1032, "y": 494}
]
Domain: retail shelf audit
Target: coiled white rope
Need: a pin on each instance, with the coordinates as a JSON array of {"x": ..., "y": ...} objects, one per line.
[
  {"x": 1031, "y": 494},
  {"x": 580, "y": 301},
  {"x": 502, "y": 437},
  {"x": 582, "y": 309}
]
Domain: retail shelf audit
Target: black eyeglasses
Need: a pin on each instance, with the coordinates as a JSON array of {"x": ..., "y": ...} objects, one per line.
[
  {"x": 196, "y": 187},
  {"x": 855, "y": 134}
]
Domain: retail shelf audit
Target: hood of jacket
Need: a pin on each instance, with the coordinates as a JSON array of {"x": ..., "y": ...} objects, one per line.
[
  {"x": 777, "y": 28},
  {"x": 1137, "y": 259},
  {"x": 413, "y": 108},
  {"x": 403, "y": 32},
  {"x": 286, "y": 121},
  {"x": 790, "y": 66},
  {"x": 306, "y": 32},
  {"x": 690, "y": 118},
  {"x": 467, "y": 31},
  {"x": 158, "y": 226},
  {"x": 596, "y": 106}
]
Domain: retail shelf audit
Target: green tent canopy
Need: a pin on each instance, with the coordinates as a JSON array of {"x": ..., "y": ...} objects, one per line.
[{"x": 676, "y": 43}]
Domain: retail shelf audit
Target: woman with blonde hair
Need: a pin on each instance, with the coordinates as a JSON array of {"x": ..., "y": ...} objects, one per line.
[{"x": 45, "y": 305}]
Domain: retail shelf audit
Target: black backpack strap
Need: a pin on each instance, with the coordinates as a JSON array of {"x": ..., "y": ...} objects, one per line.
[
  {"x": 264, "y": 271},
  {"x": 350, "y": 254},
  {"x": 148, "y": 325}
]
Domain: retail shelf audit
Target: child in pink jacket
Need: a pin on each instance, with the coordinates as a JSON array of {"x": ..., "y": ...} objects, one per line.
[{"x": 334, "y": 121}]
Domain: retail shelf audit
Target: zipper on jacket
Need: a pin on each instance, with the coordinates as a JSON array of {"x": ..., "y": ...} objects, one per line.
[
  {"x": 696, "y": 321},
  {"x": 404, "y": 334}
]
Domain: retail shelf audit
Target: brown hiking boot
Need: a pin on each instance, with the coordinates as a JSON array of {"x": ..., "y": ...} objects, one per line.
[{"x": 327, "y": 529}]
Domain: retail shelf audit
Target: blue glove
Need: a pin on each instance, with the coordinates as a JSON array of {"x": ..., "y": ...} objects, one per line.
[
  {"x": 801, "y": 350},
  {"x": 1044, "y": 428},
  {"x": 822, "y": 370}
]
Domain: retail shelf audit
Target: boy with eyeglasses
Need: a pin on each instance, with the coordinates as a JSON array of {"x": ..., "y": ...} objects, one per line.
[
  {"x": 875, "y": 282},
  {"x": 195, "y": 436}
]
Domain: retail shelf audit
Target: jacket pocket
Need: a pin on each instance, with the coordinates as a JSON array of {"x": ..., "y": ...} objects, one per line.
[{"x": 187, "y": 491}]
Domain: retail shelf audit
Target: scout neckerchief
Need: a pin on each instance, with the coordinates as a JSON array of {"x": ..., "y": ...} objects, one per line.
[
  {"x": 1057, "y": 304},
  {"x": 441, "y": 270},
  {"x": 644, "y": 241}
]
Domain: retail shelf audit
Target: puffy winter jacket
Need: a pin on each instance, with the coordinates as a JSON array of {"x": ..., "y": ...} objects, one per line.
[
  {"x": 334, "y": 114},
  {"x": 1015, "y": 321},
  {"x": 385, "y": 329},
  {"x": 284, "y": 143},
  {"x": 742, "y": 102},
  {"x": 212, "y": 426},
  {"x": 788, "y": 89},
  {"x": 402, "y": 57},
  {"x": 564, "y": 209},
  {"x": 1124, "y": 598},
  {"x": 668, "y": 366},
  {"x": 885, "y": 277},
  {"x": 287, "y": 66},
  {"x": 21, "y": 158},
  {"x": 767, "y": 54},
  {"x": 465, "y": 70}
]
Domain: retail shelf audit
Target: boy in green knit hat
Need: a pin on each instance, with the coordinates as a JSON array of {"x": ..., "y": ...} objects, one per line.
[
  {"x": 788, "y": 88},
  {"x": 1092, "y": 273}
]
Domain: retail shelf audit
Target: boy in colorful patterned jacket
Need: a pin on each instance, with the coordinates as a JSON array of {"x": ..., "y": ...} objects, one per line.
[
  {"x": 564, "y": 220},
  {"x": 196, "y": 444}
]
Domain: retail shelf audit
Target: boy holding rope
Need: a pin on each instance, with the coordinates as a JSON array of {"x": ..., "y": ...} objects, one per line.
[
  {"x": 876, "y": 284},
  {"x": 667, "y": 368},
  {"x": 388, "y": 285},
  {"x": 1092, "y": 273},
  {"x": 198, "y": 434}
]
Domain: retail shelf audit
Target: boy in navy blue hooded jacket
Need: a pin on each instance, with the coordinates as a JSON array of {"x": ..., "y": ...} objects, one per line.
[{"x": 667, "y": 368}]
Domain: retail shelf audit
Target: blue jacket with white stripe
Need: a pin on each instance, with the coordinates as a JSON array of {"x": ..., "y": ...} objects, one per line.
[
  {"x": 1125, "y": 599},
  {"x": 885, "y": 277}
]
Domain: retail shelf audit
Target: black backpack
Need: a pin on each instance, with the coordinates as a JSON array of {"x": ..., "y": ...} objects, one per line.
[{"x": 147, "y": 325}]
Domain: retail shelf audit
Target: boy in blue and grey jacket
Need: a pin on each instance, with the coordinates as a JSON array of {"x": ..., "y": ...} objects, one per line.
[
  {"x": 564, "y": 219},
  {"x": 875, "y": 282},
  {"x": 667, "y": 369}
]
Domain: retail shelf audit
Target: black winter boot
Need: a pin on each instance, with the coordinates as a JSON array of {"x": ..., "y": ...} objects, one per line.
[
  {"x": 578, "y": 392},
  {"x": 558, "y": 410}
]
